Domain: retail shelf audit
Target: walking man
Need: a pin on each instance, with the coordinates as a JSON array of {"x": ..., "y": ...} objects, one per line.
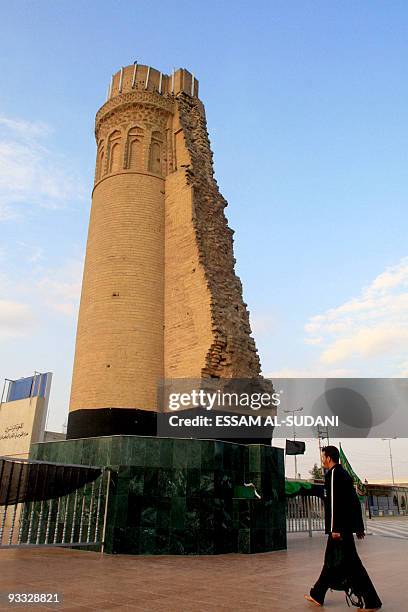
[{"x": 343, "y": 569}]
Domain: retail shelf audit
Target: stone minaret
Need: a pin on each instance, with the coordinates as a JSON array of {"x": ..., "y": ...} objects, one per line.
[{"x": 160, "y": 298}]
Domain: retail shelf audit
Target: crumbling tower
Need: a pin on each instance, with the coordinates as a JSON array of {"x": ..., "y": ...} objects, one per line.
[{"x": 160, "y": 298}]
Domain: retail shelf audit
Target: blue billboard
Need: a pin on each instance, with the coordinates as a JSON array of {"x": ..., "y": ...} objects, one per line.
[{"x": 32, "y": 386}]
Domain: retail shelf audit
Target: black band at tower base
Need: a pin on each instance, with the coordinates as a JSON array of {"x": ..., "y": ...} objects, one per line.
[{"x": 96, "y": 422}]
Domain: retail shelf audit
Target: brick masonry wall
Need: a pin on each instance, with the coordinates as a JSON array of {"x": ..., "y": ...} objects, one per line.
[
  {"x": 119, "y": 347},
  {"x": 232, "y": 352},
  {"x": 188, "y": 332}
]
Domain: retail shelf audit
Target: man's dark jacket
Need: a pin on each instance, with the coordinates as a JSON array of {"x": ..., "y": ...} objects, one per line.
[{"x": 342, "y": 506}]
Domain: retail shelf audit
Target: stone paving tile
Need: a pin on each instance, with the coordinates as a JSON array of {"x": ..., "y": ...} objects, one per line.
[{"x": 227, "y": 583}]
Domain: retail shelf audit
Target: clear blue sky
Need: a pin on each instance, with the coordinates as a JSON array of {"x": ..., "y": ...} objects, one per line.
[{"x": 307, "y": 113}]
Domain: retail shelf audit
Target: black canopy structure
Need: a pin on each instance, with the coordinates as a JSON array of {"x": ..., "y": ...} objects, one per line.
[{"x": 25, "y": 481}]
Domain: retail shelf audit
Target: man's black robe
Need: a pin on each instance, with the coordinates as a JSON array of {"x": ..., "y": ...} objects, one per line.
[
  {"x": 342, "y": 506},
  {"x": 343, "y": 569}
]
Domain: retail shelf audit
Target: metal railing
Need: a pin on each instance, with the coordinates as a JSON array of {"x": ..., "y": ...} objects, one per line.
[
  {"x": 304, "y": 514},
  {"x": 76, "y": 519}
]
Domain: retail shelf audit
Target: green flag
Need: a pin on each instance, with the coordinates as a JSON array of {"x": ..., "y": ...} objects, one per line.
[
  {"x": 293, "y": 487},
  {"x": 360, "y": 487}
]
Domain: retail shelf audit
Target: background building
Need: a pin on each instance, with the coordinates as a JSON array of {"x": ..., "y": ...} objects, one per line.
[{"x": 23, "y": 413}]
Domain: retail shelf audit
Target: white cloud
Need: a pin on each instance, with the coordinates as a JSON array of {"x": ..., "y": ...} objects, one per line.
[
  {"x": 316, "y": 340},
  {"x": 16, "y": 319},
  {"x": 31, "y": 174},
  {"x": 367, "y": 342},
  {"x": 42, "y": 289},
  {"x": 60, "y": 288},
  {"x": 395, "y": 276},
  {"x": 371, "y": 325},
  {"x": 25, "y": 129}
]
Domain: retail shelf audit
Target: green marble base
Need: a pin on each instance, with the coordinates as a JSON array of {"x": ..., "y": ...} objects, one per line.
[{"x": 172, "y": 496}]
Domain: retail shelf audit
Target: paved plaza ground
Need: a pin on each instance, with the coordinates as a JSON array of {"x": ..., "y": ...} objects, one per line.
[{"x": 270, "y": 581}]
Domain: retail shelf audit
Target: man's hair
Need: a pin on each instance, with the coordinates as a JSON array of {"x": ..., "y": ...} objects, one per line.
[{"x": 332, "y": 452}]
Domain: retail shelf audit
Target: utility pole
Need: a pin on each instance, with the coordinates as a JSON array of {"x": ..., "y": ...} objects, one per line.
[
  {"x": 392, "y": 467},
  {"x": 294, "y": 434}
]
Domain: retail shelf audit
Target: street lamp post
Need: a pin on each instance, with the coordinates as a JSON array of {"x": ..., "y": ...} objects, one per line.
[{"x": 294, "y": 433}]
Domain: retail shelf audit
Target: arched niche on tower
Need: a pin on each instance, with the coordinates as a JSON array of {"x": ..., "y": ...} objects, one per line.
[
  {"x": 156, "y": 153},
  {"x": 134, "y": 149},
  {"x": 100, "y": 160},
  {"x": 115, "y": 152}
]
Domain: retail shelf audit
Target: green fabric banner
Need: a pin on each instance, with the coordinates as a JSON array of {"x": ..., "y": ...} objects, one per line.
[
  {"x": 293, "y": 487},
  {"x": 360, "y": 487}
]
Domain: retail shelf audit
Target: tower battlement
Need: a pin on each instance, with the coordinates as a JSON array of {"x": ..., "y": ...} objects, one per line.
[{"x": 140, "y": 77}]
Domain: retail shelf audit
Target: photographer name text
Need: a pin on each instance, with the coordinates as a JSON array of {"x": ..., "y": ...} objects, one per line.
[{"x": 176, "y": 420}]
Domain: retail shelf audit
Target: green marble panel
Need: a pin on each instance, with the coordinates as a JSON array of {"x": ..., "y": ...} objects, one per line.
[
  {"x": 136, "y": 481},
  {"x": 178, "y": 513},
  {"x": 166, "y": 453},
  {"x": 148, "y": 513},
  {"x": 121, "y": 509},
  {"x": 137, "y": 451},
  {"x": 206, "y": 542},
  {"x": 147, "y": 542},
  {"x": 244, "y": 539},
  {"x": 193, "y": 482},
  {"x": 207, "y": 454},
  {"x": 163, "y": 517},
  {"x": 194, "y": 454},
  {"x": 152, "y": 457},
  {"x": 180, "y": 454},
  {"x": 117, "y": 450},
  {"x": 162, "y": 543},
  {"x": 176, "y": 543},
  {"x": 151, "y": 482},
  {"x": 207, "y": 483}
]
